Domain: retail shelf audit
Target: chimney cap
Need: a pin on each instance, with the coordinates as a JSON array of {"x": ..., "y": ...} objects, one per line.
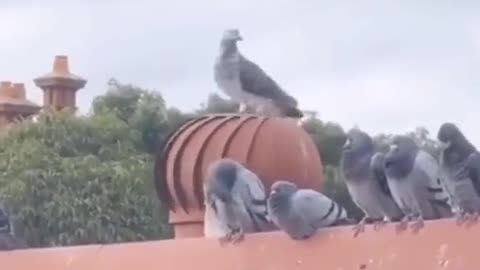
[
  {"x": 13, "y": 98},
  {"x": 60, "y": 72}
]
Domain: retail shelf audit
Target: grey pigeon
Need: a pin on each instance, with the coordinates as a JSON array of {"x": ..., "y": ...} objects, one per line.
[
  {"x": 300, "y": 212},
  {"x": 461, "y": 163},
  {"x": 363, "y": 171},
  {"x": 8, "y": 241},
  {"x": 415, "y": 179},
  {"x": 235, "y": 202},
  {"x": 5, "y": 224},
  {"x": 245, "y": 82}
]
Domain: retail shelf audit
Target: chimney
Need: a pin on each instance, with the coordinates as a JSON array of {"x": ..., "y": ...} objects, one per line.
[
  {"x": 60, "y": 85},
  {"x": 13, "y": 104},
  {"x": 19, "y": 90}
]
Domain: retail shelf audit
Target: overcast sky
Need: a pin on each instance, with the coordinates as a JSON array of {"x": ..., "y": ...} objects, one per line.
[{"x": 387, "y": 67}]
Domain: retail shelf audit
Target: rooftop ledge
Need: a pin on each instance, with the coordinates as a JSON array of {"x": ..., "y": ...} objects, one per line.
[{"x": 440, "y": 245}]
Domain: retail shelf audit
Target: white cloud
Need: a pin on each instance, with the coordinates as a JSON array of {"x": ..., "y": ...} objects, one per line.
[{"x": 388, "y": 67}]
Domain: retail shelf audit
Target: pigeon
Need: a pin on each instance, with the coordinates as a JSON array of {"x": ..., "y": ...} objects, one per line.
[
  {"x": 363, "y": 171},
  {"x": 8, "y": 240},
  {"x": 416, "y": 182},
  {"x": 5, "y": 224},
  {"x": 247, "y": 83},
  {"x": 300, "y": 212},
  {"x": 461, "y": 163},
  {"x": 235, "y": 202}
]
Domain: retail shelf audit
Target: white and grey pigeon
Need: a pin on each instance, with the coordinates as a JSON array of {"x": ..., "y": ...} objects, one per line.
[
  {"x": 363, "y": 171},
  {"x": 235, "y": 202},
  {"x": 461, "y": 163},
  {"x": 301, "y": 212},
  {"x": 416, "y": 182},
  {"x": 245, "y": 82}
]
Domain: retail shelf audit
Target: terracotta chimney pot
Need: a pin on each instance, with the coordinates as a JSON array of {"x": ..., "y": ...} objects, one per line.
[
  {"x": 60, "y": 85},
  {"x": 19, "y": 90},
  {"x": 60, "y": 64},
  {"x": 5, "y": 87}
]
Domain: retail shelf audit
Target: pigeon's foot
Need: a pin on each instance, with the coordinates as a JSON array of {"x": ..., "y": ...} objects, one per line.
[
  {"x": 238, "y": 237},
  {"x": 360, "y": 227},
  {"x": 377, "y": 225},
  {"x": 242, "y": 108},
  {"x": 403, "y": 224},
  {"x": 471, "y": 218},
  {"x": 225, "y": 239},
  {"x": 460, "y": 218},
  {"x": 234, "y": 236},
  {"x": 417, "y": 224}
]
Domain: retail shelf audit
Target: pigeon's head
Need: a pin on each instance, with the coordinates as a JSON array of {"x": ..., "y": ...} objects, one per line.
[
  {"x": 221, "y": 179},
  {"x": 448, "y": 133},
  {"x": 401, "y": 148},
  {"x": 357, "y": 141},
  {"x": 283, "y": 188},
  {"x": 231, "y": 35}
]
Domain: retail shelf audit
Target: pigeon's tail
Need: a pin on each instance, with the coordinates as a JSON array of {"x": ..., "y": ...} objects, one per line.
[{"x": 293, "y": 112}]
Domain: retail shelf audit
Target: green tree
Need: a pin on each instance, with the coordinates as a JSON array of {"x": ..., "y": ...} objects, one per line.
[
  {"x": 143, "y": 110},
  {"x": 217, "y": 104},
  {"x": 79, "y": 180},
  {"x": 328, "y": 137}
]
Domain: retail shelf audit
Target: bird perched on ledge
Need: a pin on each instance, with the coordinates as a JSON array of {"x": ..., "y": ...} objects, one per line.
[
  {"x": 363, "y": 171},
  {"x": 300, "y": 212},
  {"x": 416, "y": 183},
  {"x": 235, "y": 202},
  {"x": 245, "y": 82},
  {"x": 461, "y": 162}
]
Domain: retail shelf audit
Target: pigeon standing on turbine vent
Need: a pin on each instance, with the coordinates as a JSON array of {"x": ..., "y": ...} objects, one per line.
[
  {"x": 415, "y": 180},
  {"x": 235, "y": 202},
  {"x": 245, "y": 82},
  {"x": 300, "y": 212},
  {"x": 461, "y": 163},
  {"x": 364, "y": 175}
]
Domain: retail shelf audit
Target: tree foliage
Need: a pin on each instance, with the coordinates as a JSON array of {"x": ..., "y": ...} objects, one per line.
[
  {"x": 217, "y": 104},
  {"x": 143, "y": 110},
  {"x": 78, "y": 180},
  {"x": 328, "y": 137}
]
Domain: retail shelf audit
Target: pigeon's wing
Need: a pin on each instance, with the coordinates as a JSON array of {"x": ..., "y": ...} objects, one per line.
[
  {"x": 429, "y": 177},
  {"x": 255, "y": 81},
  {"x": 377, "y": 166},
  {"x": 317, "y": 209},
  {"x": 473, "y": 166},
  {"x": 252, "y": 192}
]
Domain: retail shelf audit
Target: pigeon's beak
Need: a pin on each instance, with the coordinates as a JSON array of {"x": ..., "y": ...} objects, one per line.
[
  {"x": 239, "y": 38},
  {"x": 393, "y": 147},
  {"x": 445, "y": 145}
]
